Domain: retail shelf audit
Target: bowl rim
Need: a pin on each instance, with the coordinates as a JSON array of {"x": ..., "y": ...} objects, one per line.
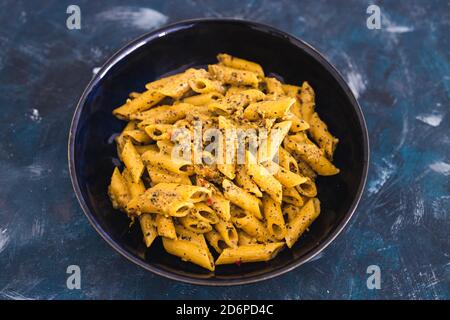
[{"x": 174, "y": 27}]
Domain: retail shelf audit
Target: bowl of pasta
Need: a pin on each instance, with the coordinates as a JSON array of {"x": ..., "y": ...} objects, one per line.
[{"x": 218, "y": 152}]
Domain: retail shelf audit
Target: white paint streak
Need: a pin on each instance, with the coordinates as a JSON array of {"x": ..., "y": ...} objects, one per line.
[
  {"x": 37, "y": 229},
  {"x": 397, "y": 225},
  {"x": 419, "y": 211},
  {"x": 4, "y": 239},
  {"x": 36, "y": 171},
  {"x": 398, "y": 29},
  {"x": 35, "y": 116},
  {"x": 393, "y": 29},
  {"x": 356, "y": 83},
  {"x": 384, "y": 172},
  {"x": 318, "y": 256},
  {"x": 432, "y": 119},
  {"x": 13, "y": 295},
  {"x": 354, "y": 77},
  {"x": 140, "y": 18},
  {"x": 441, "y": 167},
  {"x": 95, "y": 70}
]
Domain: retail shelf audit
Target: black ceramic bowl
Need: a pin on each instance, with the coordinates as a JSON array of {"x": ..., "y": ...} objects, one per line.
[{"x": 195, "y": 43}]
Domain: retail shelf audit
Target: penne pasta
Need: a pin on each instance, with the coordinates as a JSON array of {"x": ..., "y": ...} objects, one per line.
[
  {"x": 301, "y": 221},
  {"x": 228, "y": 232},
  {"x": 274, "y": 218},
  {"x": 141, "y": 103},
  {"x": 241, "y": 64},
  {"x": 165, "y": 226},
  {"x": 223, "y": 158},
  {"x": 249, "y": 253},
  {"x": 242, "y": 198},
  {"x": 216, "y": 241},
  {"x": 118, "y": 190},
  {"x": 148, "y": 227},
  {"x": 132, "y": 160},
  {"x": 235, "y": 77},
  {"x": 189, "y": 251}
]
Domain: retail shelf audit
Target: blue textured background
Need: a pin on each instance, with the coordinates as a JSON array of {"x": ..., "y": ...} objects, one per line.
[{"x": 401, "y": 75}]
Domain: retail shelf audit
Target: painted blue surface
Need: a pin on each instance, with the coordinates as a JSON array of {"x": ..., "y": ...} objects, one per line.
[{"x": 400, "y": 73}]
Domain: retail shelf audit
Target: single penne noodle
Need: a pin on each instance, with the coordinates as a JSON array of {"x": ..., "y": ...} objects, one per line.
[
  {"x": 135, "y": 188},
  {"x": 160, "y": 82},
  {"x": 245, "y": 238},
  {"x": 143, "y": 102},
  {"x": 249, "y": 253},
  {"x": 229, "y": 170},
  {"x": 270, "y": 146},
  {"x": 203, "y": 99},
  {"x": 301, "y": 221},
  {"x": 194, "y": 224},
  {"x": 244, "y": 181},
  {"x": 252, "y": 226},
  {"x": 205, "y": 85},
  {"x": 205, "y": 213},
  {"x": 235, "y": 77},
  {"x": 132, "y": 125},
  {"x": 312, "y": 155},
  {"x": 216, "y": 241},
  {"x": 189, "y": 251},
  {"x": 242, "y": 198},
  {"x": 169, "y": 116},
  {"x": 296, "y": 109},
  {"x": 287, "y": 178},
  {"x": 138, "y": 136},
  {"x": 304, "y": 168},
  {"x": 228, "y": 232},
  {"x": 291, "y": 90},
  {"x": 290, "y": 211},
  {"x": 118, "y": 190},
  {"x": 307, "y": 188},
  {"x": 132, "y": 160},
  {"x": 321, "y": 135},
  {"x": 134, "y": 95},
  {"x": 148, "y": 227},
  {"x": 165, "y": 146},
  {"x": 307, "y": 101},
  {"x": 120, "y": 143},
  {"x": 168, "y": 199},
  {"x": 162, "y": 175},
  {"x": 165, "y": 226},
  {"x": 238, "y": 63},
  {"x": 292, "y": 196},
  {"x": 263, "y": 178},
  {"x": 274, "y": 87},
  {"x": 165, "y": 161},
  {"x": 217, "y": 201},
  {"x": 159, "y": 131},
  {"x": 274, "y": 218},
  {"x": 142, "y": 149},
  {"x": 298, "y": 124},
  {"x": 153, "y": 112},
  {"x": 287, "y": 161},
  {"x": 268, "y": 109},
  {"x": 180, "y": 85},
  {"x": 186, "y": 234}
]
